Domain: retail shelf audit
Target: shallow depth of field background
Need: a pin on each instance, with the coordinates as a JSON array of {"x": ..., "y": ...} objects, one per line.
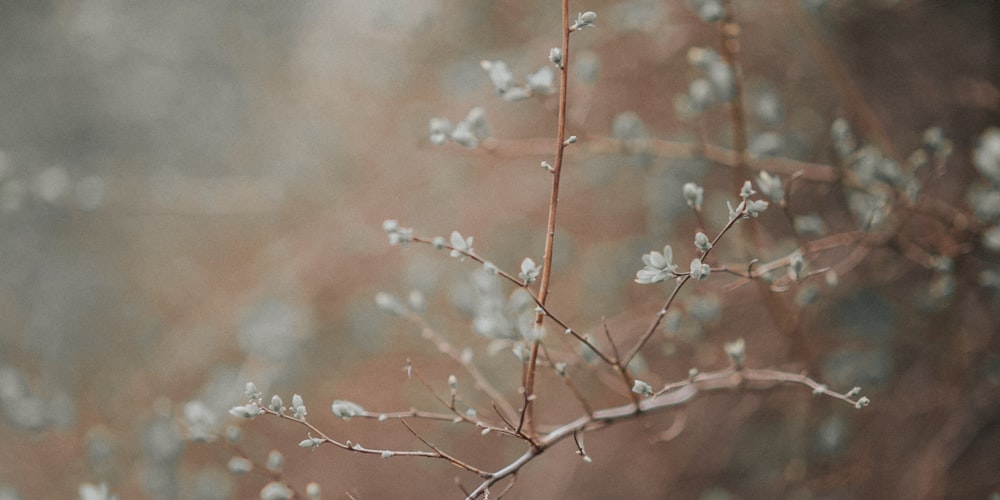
[{"x": 191, "y": 197}]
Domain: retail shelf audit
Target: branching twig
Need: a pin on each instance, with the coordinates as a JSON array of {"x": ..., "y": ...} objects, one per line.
[
  {"x": 520, "y": 423},
  {"x": 550, "y": 230},
  {"x": 681, "y": 281},
  {"x": 440, "y": 454},
  {"x": 672, "y": 395},
  {"x": 445, "y": 347}
]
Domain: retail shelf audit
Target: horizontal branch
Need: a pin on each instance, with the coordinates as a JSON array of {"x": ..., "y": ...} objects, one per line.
[
  {"x": 670, "y": 396},
  {"x": 592, "y": 144}
]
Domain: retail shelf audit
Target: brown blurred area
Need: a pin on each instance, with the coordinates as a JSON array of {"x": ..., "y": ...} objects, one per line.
[{"x": 192, "y": 193}]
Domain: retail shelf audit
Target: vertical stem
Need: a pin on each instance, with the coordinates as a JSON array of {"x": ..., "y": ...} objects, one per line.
[
  {"x": 730, "y": 31},
  {"x": 784, "y": 317},
  {"x": 550, "y": 231}
]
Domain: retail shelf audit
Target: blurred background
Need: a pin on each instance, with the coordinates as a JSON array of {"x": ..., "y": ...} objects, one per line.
[{"x": 192, "y": 193}]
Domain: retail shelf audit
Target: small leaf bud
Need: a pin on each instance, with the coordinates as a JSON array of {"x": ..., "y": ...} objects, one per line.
[
  {"x": 239, "y": 465},
  {"x": 529, "y": 271},
  {"x": 461, "y": 245},
  {"x": 736, "y": 350},
  {"x": 500, "y": 76},
  {"x": 694, "y": 195},
  {"x": 440, "y": 130},
  {"x": 709, "y": 11},
  {"x": 736, "y": 213},
  {"x": 701, "y": 242},
  {"x": 640, "y": 387},
  {"x": 584, "y": 20},
  {"x": 233, "y": 433},
  {"x": 275, "y": 460},
  {"x": 276, "y": 491},
  {"x": 276, "y": 404},
  {"x": 252, "y": 392},
  {"x": 311, "y": 442},
  {"x": 298, "y": 407},
  {"x": 245, "y": 411},
  {"x": 313, "y": 491},
  {"x": 346, "y": 409},
  {"x": 771, "y": 186},
  {"x": 756, "y": 207},
  {"x": 556, "y": 56},
  {"x": 541, "y": 82},
  {"x": 699, "y": 270}
]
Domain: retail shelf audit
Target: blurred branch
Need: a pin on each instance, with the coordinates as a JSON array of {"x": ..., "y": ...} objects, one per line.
[
  {"x": 842, "y": 81},
  {"x": 594, "y": 144}
]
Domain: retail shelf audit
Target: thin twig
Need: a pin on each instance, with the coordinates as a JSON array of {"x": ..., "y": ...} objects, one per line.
[
  {"x": 570, "y": 331},
  {"x": 621, "y": 369},
  {"x": 571, "y": 385},
  {"x": 550, "y": 231},
  {"x": 672, "y": 395},
  {"x": 661, "y": 148},
  {"x": 445, "y": 347},
  {"x": 681, "y": 281},
  {"x": 458, "y": 463}
]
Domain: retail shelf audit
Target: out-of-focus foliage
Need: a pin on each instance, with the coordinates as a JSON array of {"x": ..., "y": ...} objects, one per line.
[{"x": 191, "y": 193}]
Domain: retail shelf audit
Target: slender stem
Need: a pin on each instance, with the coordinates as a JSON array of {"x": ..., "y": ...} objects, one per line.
[
  {"x": 550, "y": 231},
  {"x": 656, "y": 323},
  {"x": 673, "y": 295},
  {"x": 591, "y": 144},
  {"x": 443, "y": 455},
  {"x": 730, "y": 31},
  {"x": 622, "y": 369},
  {"x": 445, "y": 347}
]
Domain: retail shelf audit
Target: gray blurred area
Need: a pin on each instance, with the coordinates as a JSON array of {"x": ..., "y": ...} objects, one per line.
[{"x": 180, "y": 185}]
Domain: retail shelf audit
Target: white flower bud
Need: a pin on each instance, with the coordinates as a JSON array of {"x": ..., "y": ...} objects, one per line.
[{"x": 640, "y": 387}]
